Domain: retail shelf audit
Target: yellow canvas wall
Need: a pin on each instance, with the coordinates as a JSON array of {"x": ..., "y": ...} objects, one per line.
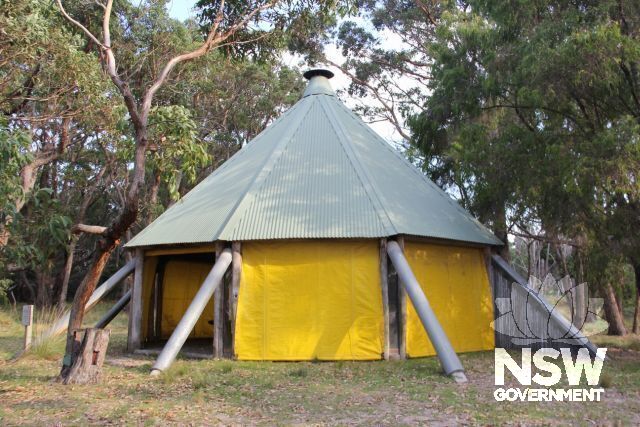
[
  {"x": 309, "y": 300},
  {"x": 182, "y": 280},
  {"x": 455, "y": 281}
]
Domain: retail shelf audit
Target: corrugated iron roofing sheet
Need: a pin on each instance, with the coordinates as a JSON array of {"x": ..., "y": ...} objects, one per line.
[{"x": 318, "y": 172}]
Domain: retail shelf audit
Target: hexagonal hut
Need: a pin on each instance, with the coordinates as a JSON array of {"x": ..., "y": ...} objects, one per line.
[{"x": 309, "y": 227}]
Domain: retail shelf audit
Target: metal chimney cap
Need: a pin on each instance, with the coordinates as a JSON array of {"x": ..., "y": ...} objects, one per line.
[
  {"x": 318, "y": 83},
  {"x": 309, "y": 74}
]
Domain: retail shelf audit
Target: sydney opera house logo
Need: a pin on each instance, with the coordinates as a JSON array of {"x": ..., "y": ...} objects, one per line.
[
  {"x": 555, "y": 315},
  {"x": 549, "y": 311}
]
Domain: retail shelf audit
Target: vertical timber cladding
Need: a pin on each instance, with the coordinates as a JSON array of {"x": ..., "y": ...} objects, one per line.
[
  {"x": 455, "y": 281},
  {"x": 305, "y": 300}
]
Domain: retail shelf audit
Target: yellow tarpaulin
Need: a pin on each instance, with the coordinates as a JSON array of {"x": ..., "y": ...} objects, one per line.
[
  {"x": 182, "y": 279},
  {"x": 309, "y": 300},
  {"x": 455, "y": 281}
]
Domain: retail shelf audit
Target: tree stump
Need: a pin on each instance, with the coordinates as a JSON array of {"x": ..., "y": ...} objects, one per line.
[{"x": 87, "y": 356}]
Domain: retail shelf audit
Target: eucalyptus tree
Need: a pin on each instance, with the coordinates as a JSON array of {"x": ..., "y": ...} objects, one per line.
[
  {"x": 227, "y": 24},
  {"x": 50, "y": 95},
  {"x": 67, "y": 139},
  {"x": 46, "y": 79},
  {"x": 546, "y": 94}
]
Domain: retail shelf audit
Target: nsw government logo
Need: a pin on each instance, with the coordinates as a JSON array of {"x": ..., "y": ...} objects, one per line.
[{"x": 547, "y": 323}]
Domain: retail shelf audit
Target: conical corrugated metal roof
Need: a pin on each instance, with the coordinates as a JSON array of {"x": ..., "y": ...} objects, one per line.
[{"x": 317, "y": 172}]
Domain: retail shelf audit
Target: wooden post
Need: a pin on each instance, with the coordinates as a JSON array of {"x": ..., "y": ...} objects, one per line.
[
  {"x": 153, "y": 306},
  {"x": 402, "y": 311},
  {"x": 27, "y": 322},
  {"x": 236, "y": 274},
  {"x": 159, "y": 290},
  {"x": 218, "y": 313},
  {"x": 384, "y": 282},
  {"x": 134, "y": 340}
]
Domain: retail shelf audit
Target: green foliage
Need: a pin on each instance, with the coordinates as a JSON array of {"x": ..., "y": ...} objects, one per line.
[
  {"x": 5, "y": 284},
  {"x": 42, "y": 234},
  {"x": 14, "y": 155},
  {"x": 177, "y": 149},
  {"x": 548, "y": 99},
  {"x": 299, "y": 26},
  {"x": 44, "y": 61},
  {"x": 47, "y": 76},
  {"x": 534, "y": 112},
  {"x": 227, "y": 103}
]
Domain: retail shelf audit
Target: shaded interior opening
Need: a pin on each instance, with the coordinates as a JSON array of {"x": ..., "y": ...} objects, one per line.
[{"x": 174, "y": 284}]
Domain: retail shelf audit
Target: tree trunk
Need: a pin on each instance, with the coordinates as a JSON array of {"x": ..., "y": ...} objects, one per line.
[
  {"x": 27, "y": 181},
  {"x": 68, "y": 265},
  {"x": 612, "y": 312},
  {"x": 88, "y": 355},
  {"x": 110, "y": 239},
  {"x": 4, "y": 233},
  {"x": 619, "y": 303},
  {"x": 589, "y": 316},
  {"x": 26, "y": 284},
  {"x": 83, "y": 293},
  {"x": 579, "y": 299},
  {"x": 138, "y": 116},
  {"x": 500, "y": 230},
  {"x": 579, "y": 306},
  {"x": 153, "y": 198},
  {"x": 43, "y": 283},
  {"x": 636, "y": 314}
]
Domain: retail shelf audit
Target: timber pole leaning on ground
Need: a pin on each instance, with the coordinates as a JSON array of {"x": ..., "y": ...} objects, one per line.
[
  {"x": 101, "y": 291},
  {"x": 447, "y": 355},
  {"x": 191, "y": 316},
  {"x": 113, "y": 311}
]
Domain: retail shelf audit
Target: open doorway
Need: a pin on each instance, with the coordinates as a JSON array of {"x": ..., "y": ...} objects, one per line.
[{"x": 171, "y": 290}]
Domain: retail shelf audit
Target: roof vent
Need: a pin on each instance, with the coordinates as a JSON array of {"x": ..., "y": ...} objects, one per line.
[{"x": 318, "y": 82}]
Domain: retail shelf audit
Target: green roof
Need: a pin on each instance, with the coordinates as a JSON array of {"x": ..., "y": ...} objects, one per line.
[{"x": 317, "y": 172}]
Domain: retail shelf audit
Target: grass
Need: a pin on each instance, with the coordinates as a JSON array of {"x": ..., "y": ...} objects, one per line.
[
  {"x": 627, "y": 342},
  {"x": 208, "y": 392}
]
